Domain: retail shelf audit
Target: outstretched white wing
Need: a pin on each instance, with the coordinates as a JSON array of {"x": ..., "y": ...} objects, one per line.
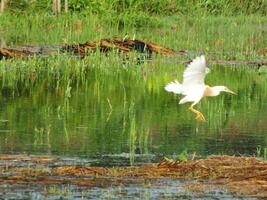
[
  {"x": 174, "y": 87},
  {"x": 194, "y": 74}
]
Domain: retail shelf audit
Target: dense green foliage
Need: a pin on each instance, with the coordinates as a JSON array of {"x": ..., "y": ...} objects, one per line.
[
  {"x": 141, "y": 13},
  {"x": 152, "y": 7}
]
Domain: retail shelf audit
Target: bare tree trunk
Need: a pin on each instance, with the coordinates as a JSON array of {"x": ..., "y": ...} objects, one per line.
[
  {"x": 56, "y": 6},
  {"x": 2, "y": 6},
  {"x": 66, "y": 6}
]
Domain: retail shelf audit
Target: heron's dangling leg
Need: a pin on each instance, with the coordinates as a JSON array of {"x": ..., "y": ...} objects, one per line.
[{"x": 199, "y": 116}]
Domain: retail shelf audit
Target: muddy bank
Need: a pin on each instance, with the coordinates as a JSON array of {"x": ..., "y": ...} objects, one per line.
[{"x": 242, "y": 176}]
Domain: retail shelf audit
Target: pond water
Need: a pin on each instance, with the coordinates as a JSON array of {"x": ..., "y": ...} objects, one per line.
[{"x": 122, "y": 115}]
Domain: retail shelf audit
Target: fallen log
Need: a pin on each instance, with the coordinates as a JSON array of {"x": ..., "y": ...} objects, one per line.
[
  {"x": 124, "y": 46},
  {"x": 14, "y": 53},
  {"x": 104, "y": 46}
]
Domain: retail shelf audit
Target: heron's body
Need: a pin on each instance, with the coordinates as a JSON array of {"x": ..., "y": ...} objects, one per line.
[{"x": 193, "y": 87}]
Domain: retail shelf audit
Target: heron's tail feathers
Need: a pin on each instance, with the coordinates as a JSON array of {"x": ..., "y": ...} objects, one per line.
[
  {"x": 174, "y": 87},
  {"x": 184, "y": 100}
]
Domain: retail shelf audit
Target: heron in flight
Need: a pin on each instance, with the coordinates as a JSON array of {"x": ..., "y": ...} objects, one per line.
[{"x": 193, "y": 87}]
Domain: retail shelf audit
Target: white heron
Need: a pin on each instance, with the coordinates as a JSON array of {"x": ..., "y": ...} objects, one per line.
[{"x": 193, "y": 87}]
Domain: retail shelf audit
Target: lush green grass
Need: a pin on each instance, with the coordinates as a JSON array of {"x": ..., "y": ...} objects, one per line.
[{"x": 243, "y": 35}]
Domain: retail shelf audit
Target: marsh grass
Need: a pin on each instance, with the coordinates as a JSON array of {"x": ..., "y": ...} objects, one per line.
[{"x": 232, "y": 36}]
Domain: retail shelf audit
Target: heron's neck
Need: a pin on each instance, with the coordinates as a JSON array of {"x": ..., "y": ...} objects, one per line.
[{"x": 213, "y": 91}]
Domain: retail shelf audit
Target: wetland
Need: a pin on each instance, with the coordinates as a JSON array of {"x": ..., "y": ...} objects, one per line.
[{"x": 111, "y": 111}]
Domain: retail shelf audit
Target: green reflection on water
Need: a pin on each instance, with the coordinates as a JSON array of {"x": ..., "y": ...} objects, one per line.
[{"x": 117, "y": 107}]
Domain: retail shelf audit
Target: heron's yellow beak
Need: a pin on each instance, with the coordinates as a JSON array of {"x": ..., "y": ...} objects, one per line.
[{"x": 230, "y": 91}]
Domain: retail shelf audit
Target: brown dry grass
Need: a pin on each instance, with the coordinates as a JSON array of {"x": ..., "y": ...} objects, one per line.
[{"x": 241, "y": 175}]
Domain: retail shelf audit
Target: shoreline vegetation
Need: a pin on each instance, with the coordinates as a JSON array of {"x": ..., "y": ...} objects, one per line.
[{"x": 122, "y": 46}]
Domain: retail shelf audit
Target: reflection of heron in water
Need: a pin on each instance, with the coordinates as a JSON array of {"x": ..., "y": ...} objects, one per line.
[{"x": 193, "y": 87}]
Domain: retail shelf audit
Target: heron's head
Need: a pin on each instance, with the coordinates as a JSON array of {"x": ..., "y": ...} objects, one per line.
[{"x": 224, "y": 89}]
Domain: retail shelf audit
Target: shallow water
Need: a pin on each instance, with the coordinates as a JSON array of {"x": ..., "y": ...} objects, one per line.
[
  {"x": 164, "y": 189},
  {"x": 60, "y": 177},
  {"x": 123, "y": 115}
]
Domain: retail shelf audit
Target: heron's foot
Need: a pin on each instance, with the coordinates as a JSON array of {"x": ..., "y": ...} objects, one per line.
[{"x": 201, "y": 117}]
